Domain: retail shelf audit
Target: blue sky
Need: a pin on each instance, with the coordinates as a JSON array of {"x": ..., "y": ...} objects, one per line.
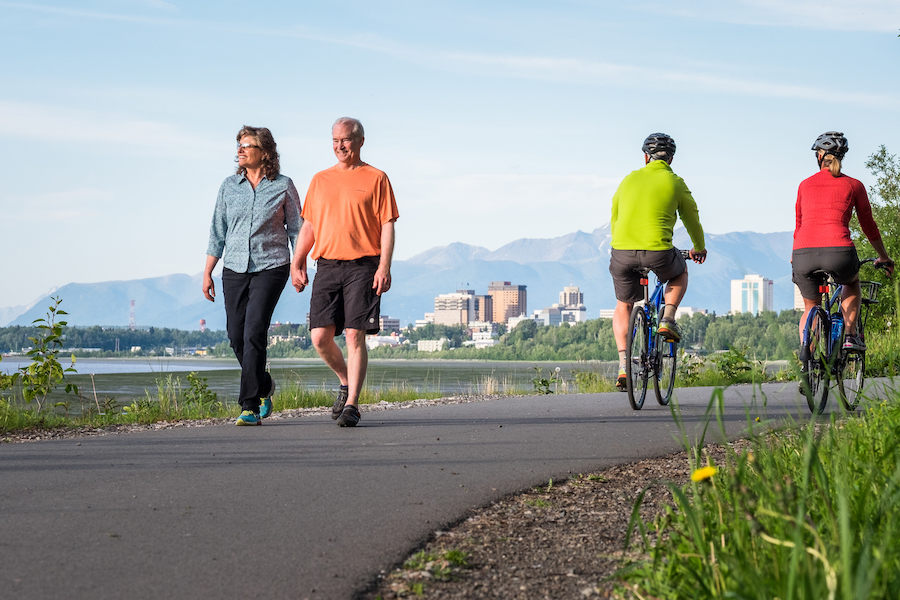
[{"x": 495, "y": 121}]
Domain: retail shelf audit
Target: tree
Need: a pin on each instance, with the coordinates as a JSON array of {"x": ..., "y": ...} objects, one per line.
[{"x": 885, "y": 199}]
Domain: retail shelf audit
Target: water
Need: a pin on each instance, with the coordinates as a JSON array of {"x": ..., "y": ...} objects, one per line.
[{"x": 125, "y": 379}]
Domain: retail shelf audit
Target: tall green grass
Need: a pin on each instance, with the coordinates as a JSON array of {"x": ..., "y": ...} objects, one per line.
[{"x": 807, "y": 512}]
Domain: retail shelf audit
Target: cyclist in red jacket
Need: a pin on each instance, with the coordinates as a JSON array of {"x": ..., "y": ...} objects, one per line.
[{"x": 825, "y": 203}]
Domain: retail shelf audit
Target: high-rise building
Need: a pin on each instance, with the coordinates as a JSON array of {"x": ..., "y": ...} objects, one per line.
[
  {"x": 509, "y": 300},
  {"x": 571, "y": 297},
  {"x": 455, "y": 309},
  {"x": 484, "y": 308},
  {"x": 571, "y": 304},
  {"x": 752, "y": 294}
]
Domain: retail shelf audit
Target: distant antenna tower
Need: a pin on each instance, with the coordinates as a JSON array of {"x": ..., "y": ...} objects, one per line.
[
  {"x": 202, "y": 325},
  {"x": 131, "y": 324}
]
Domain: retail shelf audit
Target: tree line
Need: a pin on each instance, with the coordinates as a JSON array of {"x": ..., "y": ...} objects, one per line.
[{"x": 153, "y": 340}]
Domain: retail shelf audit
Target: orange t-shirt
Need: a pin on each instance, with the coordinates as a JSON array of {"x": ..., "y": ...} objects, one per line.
[{"x": 347, "y": 209}]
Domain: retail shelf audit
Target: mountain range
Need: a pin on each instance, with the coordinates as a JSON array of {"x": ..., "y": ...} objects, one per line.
[{"x": 545, "y": 266}]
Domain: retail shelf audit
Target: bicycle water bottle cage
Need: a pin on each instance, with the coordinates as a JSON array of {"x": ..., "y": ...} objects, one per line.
[{"x": 645, "y": 281}]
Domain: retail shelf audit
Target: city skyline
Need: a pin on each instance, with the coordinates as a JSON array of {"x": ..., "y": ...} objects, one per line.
[{"x": 494, "y": 121}]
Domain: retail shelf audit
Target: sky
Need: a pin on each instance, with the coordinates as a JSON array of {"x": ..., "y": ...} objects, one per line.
[{"x": 494, "y": 120}]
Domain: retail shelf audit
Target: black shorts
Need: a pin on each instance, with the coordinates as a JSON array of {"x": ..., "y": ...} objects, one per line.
[
  {"x": 342, "y": 295},
  {"x": 666, "y": 264},
  {"x": 841, "y": 261}
]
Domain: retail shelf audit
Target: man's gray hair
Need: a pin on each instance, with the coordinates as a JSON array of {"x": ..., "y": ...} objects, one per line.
[
  {"x": 666, "y": 156},
  {"x": 356, "y": 128}
]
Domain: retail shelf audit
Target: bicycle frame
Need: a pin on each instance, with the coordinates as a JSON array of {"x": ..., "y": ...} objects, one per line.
[
  {"x": 832, "y": 318},
  {"x": 829, "y": 360}
]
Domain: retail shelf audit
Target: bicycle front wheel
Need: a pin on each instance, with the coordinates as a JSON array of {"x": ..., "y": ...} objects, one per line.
[
  {"x": 636, "y": 350},
  {"x": 852, "y": 378},
  {"x": 664, "y": 379},
  {"x": 818, "y": 368}
]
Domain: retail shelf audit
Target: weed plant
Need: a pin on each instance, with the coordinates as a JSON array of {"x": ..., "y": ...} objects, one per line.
[{"x": 808, "y": 512}]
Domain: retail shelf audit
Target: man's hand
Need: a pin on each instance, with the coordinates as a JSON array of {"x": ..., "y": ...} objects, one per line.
[
  {"x": 698, "y": 257},
  {"x": 299, "y": 277},
  {"x": 209, "y": 288},
  {"x": 382, "y": 282}
]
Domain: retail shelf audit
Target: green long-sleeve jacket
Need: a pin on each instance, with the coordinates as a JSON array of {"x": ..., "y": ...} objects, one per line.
[{"x": 644, "y": 210}]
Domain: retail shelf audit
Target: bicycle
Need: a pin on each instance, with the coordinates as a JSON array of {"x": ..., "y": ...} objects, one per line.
[
  {"x": 822, "y": 353},
  {"x": 647, "y": 352}
]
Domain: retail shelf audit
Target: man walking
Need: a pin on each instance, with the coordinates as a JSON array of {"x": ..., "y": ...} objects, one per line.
[
  {"x": 349, "y": 216},
  {"x": 644, "y": 209}
]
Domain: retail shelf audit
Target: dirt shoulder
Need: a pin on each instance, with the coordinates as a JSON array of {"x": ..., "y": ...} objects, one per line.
[{"x": 563, "y": 540}]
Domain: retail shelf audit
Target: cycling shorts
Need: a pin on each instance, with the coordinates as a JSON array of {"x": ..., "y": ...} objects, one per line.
[
  {"x": 841, "y": 261},
  {"x": 666, "y": 264}
]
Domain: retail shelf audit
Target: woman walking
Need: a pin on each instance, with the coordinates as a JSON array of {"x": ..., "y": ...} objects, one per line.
[{"x": 257, "y": 215}]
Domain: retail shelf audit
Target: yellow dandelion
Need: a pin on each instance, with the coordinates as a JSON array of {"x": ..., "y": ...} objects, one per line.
[
  {"x": 704, "y": 473},
  {"x": 750, "y": 457},
  {"x": 757, "y": 419}
]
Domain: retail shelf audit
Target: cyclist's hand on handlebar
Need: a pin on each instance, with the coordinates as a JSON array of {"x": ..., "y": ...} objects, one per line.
[
  {"x": 698, "y": 256},
  {"x": 887, "y": 265}
]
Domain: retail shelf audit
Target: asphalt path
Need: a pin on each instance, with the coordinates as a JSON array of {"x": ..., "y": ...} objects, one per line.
[{"x": 301, "y": 508}]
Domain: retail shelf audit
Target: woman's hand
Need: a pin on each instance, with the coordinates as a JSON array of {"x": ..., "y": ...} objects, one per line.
[
  {"x": 885, "y": 263},
  {"x": 209, "y": 288}
]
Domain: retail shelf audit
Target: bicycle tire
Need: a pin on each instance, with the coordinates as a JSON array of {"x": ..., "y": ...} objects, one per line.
[
  {"x": 852, "y": 378},
  {"x": 818, "y": 368},
  {"x": 636, "y": 358},
  {"x": 664, "y": 376}
]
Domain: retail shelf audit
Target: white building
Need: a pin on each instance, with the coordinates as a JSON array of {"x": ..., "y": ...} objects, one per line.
[
  {"x": 455, "y": 309},
  {"x": 548, "y": 316},
  {"x": 387, "y": 323},
  {"x": 689, "y": 311},
  {"x": 431, "y": 345},
  {"x": 798, "y": 299},
  {"x": 752, "y": 294},
  {"x": 374, "y": 341},
  {"x": 513, "y": 321}
]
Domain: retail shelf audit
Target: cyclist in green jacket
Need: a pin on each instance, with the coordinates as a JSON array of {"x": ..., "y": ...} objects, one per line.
[{"x": 644, "y": 210}]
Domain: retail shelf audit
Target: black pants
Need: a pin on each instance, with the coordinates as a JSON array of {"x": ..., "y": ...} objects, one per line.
[{"x": 250, "y": 300}]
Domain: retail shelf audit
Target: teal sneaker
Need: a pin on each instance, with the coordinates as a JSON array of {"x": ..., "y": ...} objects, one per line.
[
  {"x": 265, "y": 404},
  {"x": 248, "y": 417}
]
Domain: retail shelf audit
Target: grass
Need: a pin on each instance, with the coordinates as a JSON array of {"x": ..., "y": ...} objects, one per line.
[
  {"x": 175, "y": 399},
  {"x": 812, "y": 511}
]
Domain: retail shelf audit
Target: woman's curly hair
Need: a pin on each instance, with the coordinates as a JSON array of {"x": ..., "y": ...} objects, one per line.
[{"x": 262, "y": 137}]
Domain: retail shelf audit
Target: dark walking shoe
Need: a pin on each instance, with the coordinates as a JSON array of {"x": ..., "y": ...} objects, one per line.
[
  {"x": 854, "y": 343},
  {"x": 265, "y": 404},
  {"x": 349, "y": 417},
  {"x": 338, "y": 407},
  {"x": 669, "y": 330}
]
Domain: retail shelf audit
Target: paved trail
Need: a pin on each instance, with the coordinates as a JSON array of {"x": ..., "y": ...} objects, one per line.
[{"x": 300, "y": 508}]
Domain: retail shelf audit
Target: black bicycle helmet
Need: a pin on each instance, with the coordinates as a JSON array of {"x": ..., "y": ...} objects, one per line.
[
  {"x": 659, "y": 142},
  {"x": 832, "y": 142}
]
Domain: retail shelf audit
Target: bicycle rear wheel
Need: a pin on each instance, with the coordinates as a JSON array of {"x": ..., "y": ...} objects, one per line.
[
  {"x": 852, "y": 378},
  {"x": 636, "y": 350},
  {"x": 818, "y": 368},
  {"x": 664, "y": 379}
]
